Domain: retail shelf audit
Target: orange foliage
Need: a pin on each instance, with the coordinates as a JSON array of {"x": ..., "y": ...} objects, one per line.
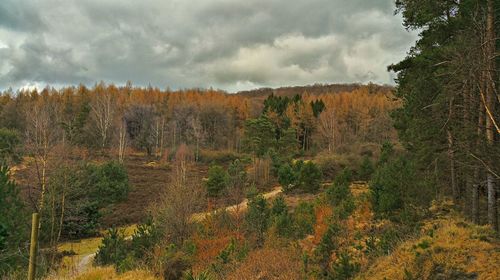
[{"x": 323, "y": 215}]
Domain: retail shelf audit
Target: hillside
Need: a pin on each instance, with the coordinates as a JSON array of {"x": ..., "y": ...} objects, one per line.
[{"x": 448, "y": 247}]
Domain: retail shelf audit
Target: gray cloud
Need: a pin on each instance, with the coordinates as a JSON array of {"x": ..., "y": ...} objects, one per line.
[{"x": 229, "y": 44}]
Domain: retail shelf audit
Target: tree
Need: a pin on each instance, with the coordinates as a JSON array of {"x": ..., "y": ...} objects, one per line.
[
  {"x": 304, "y": 176},
  {"x": 257, "y": 217},
  {"x": 173, "y": 213},
  {"x": 13, "y": 228},
  {"x": 237, "y": 174},
  {"x": 259, "y": 136},
  {"x": 287, "y": 177},
  {"x": 42, "y": 135},
  {"x": 339, "y": 190},
  {"x": 139, "y": 122},
  {"x": 310, "y": 177},
  {"x": 108, "y": 182},
  {"x": 103, "y": 112},
  {"x": 217, "y": 180},
  {"x": 9, "y": 146},
  {"x": 449, "y": 113}
]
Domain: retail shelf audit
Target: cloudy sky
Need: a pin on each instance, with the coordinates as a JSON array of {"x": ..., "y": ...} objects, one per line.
[{"x": 227, "y": 44}]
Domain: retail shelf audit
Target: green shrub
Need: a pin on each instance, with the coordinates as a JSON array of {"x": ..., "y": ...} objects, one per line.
[
  {"x": 344, "y": 177},
  {"x": 145, "y": 237},
  {"x": 386, "y": 153},
  {"x": 13, "y": 226},
  {"x": 344, "y": 268},
  {"x": 303, "y": 176},
  {"x": 366, "y": 169},
  {"x": 113, "y": 249},
  {"x": 304, "y": 219},
  {"x": 279, "y": 206},
  {"x": 310, "y": 177},
  {"x": 332, "y": 165},
  {"x": 218, "y": 157},
  {"x": 287, "y": 177},
  {"x": 282, "y": 220},
  {"x": 339, "y": 190},
  {"x": 328, "y": 243},
  {"x": 108, "y": 182},
  {"x": 392, "y": 184},
  {"x": 345, "y": 208},
  {"x": 237, "y": 174},
  {"x": 257, "y": 217},
  {"x": 217, "y": 180}
]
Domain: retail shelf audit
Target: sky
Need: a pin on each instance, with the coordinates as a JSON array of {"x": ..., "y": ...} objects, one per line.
[{"x": 225, "y": 44}]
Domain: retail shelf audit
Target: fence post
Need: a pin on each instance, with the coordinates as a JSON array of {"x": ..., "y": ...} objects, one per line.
[{"x": 33, "y": 246}]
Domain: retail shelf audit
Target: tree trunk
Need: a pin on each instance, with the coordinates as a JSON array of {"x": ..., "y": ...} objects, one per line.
[
  {"x": 451, "y": 157},
  {"x": 453, "y": 178},
  {"x": 489, "y": 106}
]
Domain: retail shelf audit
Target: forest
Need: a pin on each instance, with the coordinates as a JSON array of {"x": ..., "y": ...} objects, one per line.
[{"x": 326, "y": 181}]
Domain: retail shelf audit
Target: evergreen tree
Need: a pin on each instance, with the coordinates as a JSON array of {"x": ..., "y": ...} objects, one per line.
[
  {"x": 446, "y": 85},
  {"x": 217, "y": 180},
  {"x": 13, "y": 224},
  {"x": 257, "y": 217}
]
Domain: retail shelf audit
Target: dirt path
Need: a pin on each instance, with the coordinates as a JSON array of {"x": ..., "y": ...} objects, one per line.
[
  {"x": 198, "y": 217},
  {"x": 84, "y": 263}
]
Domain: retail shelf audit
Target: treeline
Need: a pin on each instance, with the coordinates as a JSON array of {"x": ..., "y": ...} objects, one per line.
[
  {"x": 151, "y": 120},
  {"x": 449, "y": 86}
]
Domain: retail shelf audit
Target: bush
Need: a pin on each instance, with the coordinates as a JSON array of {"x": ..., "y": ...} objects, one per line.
[
  {"x": 107, "y": 182},
  {"x": 310, "y": 177},
  {"x": 217, "y": 180},
  {"x": 331, "y": 165},
  {"x": 257, "y": 217},
  {"x": 279, "y": 206},
  {"x": 237, "y": 174},
  {"x": 344, "y": 268},
  {"x": 386, "y": 153},
  {"x": 218, "y": 157},
  {"x": 145, "y": 237},
  {"x": 287, "y": 177},
  {"x": 304, "y": 176},
  {"x": 366, "y": 169},
  {"x": 283, "y": 222},
  {"x": 327, "y": 244},
  {"x": 304, "y": 219},
  {"x": 113, "y": 249},
  {"x": 339, "y": 190}
]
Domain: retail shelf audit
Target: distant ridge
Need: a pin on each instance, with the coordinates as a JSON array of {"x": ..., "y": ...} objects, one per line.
[{"x": 315, "y": 89}]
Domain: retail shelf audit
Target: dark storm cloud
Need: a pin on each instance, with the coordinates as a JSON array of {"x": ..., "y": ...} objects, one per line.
[{"x": 231, "y": 44}]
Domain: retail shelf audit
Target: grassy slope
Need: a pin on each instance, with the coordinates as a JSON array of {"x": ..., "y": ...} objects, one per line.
[{"x": 447, "y": 248}]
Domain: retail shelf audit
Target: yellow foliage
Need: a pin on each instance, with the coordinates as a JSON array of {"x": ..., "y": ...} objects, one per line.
[{"x": 448, "y": 247}]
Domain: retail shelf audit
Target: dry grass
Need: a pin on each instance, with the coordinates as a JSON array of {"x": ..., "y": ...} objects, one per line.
[
  {"x": 269, "y": 263},
  {"x": 108, "y": 273},
  {"x": 449, "y": 248}
]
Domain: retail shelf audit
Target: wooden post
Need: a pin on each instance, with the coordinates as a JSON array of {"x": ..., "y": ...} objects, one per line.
[{"x": 33, "y": 246}]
